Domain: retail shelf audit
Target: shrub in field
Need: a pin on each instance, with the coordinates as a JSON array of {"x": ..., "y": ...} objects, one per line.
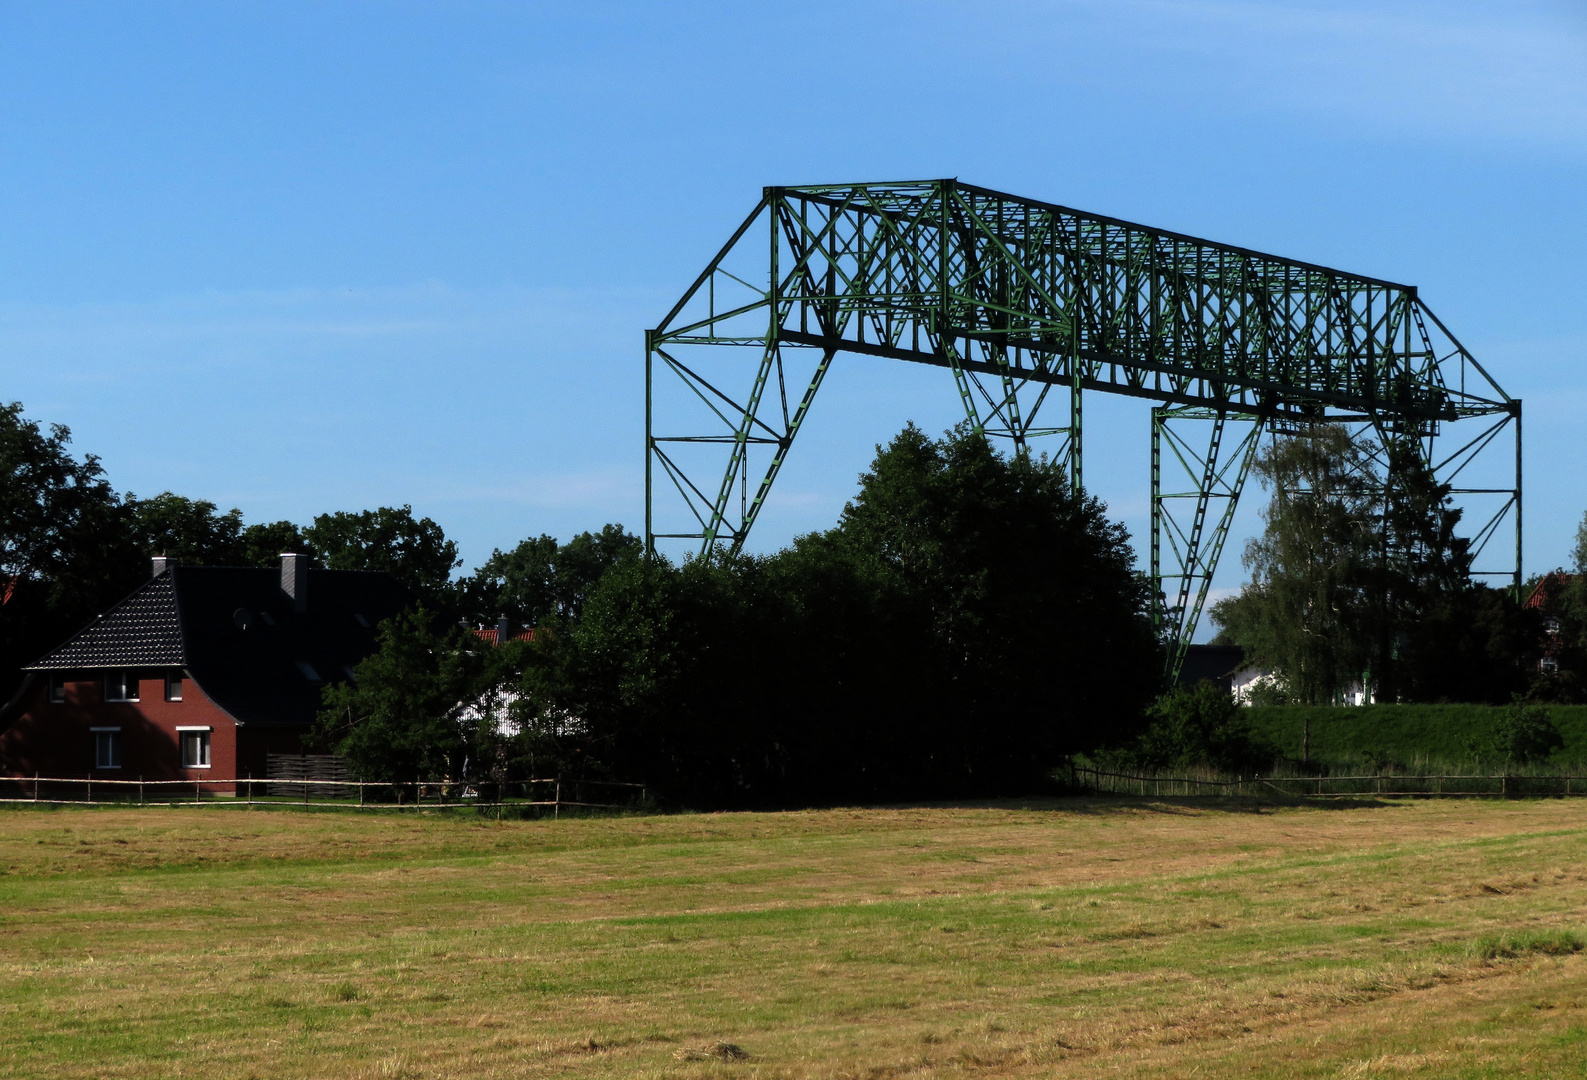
[
  {"x": 1522, "y": 733},
  {"x": 1195, "y": 727}
]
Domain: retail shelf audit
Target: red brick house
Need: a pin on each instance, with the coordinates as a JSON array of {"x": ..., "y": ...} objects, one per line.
[
  {"x": 1543, "y": 599},
  {"x": 197, "y": 675}
]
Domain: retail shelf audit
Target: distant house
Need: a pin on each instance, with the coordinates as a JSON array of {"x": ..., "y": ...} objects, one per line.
[
  {"x": 198, "y": 674},
  {"x": 502, "y": 633},
  {"x": 1219, "y": 664},
  {"x": 1226, "y": 666},
  {"x": 1542, "y": 599}
]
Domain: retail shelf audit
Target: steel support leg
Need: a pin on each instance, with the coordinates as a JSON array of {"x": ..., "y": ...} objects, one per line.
[{"x": 1191, "y": 525}]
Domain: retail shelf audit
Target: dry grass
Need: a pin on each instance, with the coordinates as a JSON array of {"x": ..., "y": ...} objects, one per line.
[{"x": 1071, "y": 938}]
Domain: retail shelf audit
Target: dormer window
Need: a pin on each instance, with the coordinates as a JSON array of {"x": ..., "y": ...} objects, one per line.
[
  {"x": 308, "y": 671},
  {"x": 121, "y": 685}
]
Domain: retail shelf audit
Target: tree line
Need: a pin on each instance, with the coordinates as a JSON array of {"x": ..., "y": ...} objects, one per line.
[
  {"x": 71, "y": 545},
  {"x": 967, "y": 624},
  {"x": 1360, "y": 578}
]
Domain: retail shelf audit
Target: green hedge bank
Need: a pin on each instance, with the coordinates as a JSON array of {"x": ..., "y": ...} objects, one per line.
[{"x": 1402, "y": 733}]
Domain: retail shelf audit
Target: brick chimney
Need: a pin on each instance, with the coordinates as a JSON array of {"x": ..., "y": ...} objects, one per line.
[
  {"x": 295, "y": 579},
  {"x": 159, "y": 565},
  {"x": 503, "y": 628}
]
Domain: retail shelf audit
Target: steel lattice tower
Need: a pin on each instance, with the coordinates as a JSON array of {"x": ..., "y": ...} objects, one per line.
[{"x": 1018, "y": 299}]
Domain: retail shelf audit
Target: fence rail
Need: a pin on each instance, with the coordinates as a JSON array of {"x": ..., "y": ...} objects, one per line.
[
  {"x": 338, "y": 792},
  {"x": 1432, "y": 785}
]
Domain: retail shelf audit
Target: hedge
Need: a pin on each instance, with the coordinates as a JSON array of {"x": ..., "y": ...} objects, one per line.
[{"x": 1403, "y": 733}]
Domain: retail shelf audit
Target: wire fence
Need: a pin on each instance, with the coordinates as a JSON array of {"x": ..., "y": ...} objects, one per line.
[
  {"x": 547, "y": 793},
  {"x": 1433, "y": 785}
]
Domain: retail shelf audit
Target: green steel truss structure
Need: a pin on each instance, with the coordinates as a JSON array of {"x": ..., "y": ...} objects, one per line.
[{"x": 1029, "y": 305}]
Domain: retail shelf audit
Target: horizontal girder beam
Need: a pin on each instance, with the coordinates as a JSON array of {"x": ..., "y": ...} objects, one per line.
[{"x": 901, "y": 269}]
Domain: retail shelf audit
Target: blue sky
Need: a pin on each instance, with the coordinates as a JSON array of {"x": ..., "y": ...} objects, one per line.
[{"x": 301, "y": 257}]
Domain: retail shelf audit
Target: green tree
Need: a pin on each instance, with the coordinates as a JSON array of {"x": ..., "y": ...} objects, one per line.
[
  {"x": 1309, "y": 609},
  {"x": 413, "y": 550},
  {"x": 542, "y": 580},
  {"x": 1360, "y": 574},
  {"x": 68, "y": 542},
  {"x": 406, "y": 715},
  {"x": 265, "y": 543},
  {"x": 191, "y": 531},
  {"x": 1036, "y": 611},
  {"x": 967, "y": 624},
  {"x": 1474, "y": 644}
]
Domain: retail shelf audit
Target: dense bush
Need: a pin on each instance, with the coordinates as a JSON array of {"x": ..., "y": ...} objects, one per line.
[
  {"x": 1193, "y": 728},
  {"x": 1522, "y": 733}
]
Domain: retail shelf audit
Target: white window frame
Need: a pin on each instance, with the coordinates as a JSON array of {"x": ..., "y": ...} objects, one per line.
[
  {"x": 207, "y": 743},
  {"x": 128, "y": 676},
  {"x": 116, "y": 742},
  {"x": 178, "y": 678}
]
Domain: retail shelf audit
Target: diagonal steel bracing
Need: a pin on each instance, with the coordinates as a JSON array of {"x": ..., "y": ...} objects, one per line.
[{"x": 1030, "y": 305}]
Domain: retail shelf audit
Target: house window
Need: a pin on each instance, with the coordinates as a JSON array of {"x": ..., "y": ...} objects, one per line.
[
  {"x": 121, "y": 686},
  {"x": 173, "y": 687},
  {"x": 1549, "y": 664},
  {"x": 57, "y": 687},
  {"x": 107, "y": 747},
  {"x": 195, "y": 747},
  {"x": 308, "y": 671},
  {"x": 1551, "y": 625}
]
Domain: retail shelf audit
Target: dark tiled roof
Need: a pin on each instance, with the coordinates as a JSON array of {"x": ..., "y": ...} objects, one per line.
[
  {"x": 143, "y": 631},
  {"x": 255, "y": 673},
  {"x": 237, "y": 635},
  {"x": 1215, "y": 662}
]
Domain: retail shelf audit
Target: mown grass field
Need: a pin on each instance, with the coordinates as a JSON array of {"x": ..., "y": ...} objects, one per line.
[{"x": 1072, "y": 938}]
